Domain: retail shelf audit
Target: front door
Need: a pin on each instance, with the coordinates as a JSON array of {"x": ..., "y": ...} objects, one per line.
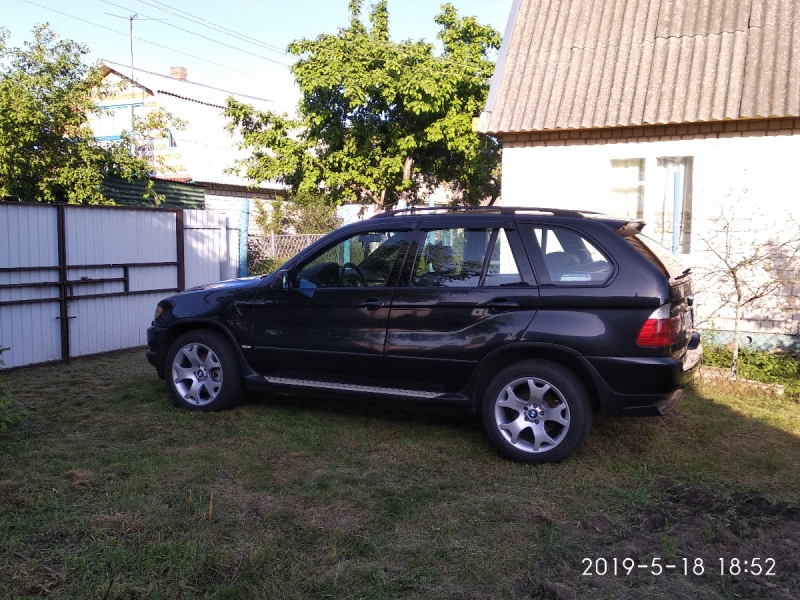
[{"x": 331, "y": 321}]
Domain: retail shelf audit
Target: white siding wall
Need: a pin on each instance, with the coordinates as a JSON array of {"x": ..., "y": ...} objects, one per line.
[{"x": 761, "y": 173}]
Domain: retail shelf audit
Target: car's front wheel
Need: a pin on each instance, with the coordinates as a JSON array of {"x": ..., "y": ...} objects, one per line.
[
  {"x": 536, "y": 412},
  {"x": 203, "y": 372}
]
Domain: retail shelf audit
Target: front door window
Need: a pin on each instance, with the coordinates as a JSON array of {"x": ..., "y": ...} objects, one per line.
[{"x": 363, "y": 260}]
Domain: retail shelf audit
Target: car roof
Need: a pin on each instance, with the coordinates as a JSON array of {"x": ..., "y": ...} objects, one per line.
[
  {"x": 437, "y": 213},
  {"x": 483, "y": 210}
]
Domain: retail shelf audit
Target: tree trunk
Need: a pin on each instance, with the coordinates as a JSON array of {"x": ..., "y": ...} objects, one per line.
[
  {"x": 735, "y": 362},
  {"x": 406, "y": 195},
  {"x": 407, "y": 167}
]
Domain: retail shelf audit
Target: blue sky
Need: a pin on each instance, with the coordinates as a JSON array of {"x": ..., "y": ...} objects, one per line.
[{"x": 257, "y": 65}]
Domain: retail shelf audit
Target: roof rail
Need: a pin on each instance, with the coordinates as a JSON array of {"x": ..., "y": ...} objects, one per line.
[{"x": 501, "y": 210}]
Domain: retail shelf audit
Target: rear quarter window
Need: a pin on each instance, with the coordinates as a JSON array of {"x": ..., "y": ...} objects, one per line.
[{"x": 564, "y": 257}]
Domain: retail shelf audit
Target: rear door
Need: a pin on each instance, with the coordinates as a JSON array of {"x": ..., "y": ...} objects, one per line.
[{"x": 465, "y": 290}]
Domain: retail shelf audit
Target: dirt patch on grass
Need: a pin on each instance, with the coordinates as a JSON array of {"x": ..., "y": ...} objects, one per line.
[{"x": 692, "y": 528}]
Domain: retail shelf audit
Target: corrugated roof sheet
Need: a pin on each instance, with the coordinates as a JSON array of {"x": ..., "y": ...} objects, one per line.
[
  {"x": 574, "y": 64},
  {"x": 176, "y": 195},
  {"x": 191, "y": 90}
]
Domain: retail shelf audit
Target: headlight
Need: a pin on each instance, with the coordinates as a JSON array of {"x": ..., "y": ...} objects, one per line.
[{"x": 159, "y": 310}]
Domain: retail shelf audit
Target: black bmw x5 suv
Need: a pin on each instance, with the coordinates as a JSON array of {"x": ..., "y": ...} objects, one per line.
[{"x": 532, "y": 318}]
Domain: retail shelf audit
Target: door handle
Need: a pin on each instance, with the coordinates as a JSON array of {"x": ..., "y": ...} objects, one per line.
[
  {"x": 501, "y": 304},
  {"x": 372, "y": 304}
]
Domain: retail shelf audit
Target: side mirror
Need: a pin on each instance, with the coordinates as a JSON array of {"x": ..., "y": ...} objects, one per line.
[{"x": 282, "y": 280}]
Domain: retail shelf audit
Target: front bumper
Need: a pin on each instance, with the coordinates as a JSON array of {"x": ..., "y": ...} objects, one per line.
[{"x": 154, "y": 337}]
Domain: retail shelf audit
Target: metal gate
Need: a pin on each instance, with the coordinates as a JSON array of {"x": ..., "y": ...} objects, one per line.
[{"x": 77, "y": 280}]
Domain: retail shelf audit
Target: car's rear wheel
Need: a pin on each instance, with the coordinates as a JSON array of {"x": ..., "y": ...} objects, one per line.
[
  {"x": 203, "y": 372},
  {"x": 536, "y": 412}
]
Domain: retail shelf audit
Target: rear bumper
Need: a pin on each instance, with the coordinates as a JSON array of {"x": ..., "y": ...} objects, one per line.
[
  {"x": 657, "y": 408},
  {"x": 638, "y": 386}
]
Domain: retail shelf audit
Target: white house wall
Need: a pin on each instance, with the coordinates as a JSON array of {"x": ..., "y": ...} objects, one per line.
[{"x": 760, "y": 173}]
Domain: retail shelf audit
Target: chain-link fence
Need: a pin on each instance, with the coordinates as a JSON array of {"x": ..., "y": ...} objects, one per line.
[
  {"x": 267, "y": 252},
  {"x": 277, "y": 246}
]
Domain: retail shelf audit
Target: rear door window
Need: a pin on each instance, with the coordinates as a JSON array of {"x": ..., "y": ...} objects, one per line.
[
  {"x": 502, "y": 269},
  {"x": 461, "y": 257},
  {"x": 565, "y": 257}
]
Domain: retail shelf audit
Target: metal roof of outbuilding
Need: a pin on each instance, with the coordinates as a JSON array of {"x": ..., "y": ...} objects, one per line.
[
  {"x": 176, "y": 194},
  {"x": 577, "y": 64}
]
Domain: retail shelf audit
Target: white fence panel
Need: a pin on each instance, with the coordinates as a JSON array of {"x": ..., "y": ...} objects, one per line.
[
  {"x": 111, "y": 245},
  {"x": 119, "y": 264},
  {"x": 29, "y": 246},
  {"x": 97, "y": 236},
  {"x": 206, "y": 247},
  {"x": 230, "y": 269},
  {"x": 111, "y": 323}
]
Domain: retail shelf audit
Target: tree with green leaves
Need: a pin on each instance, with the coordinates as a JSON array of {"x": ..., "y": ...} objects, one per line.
[
  {"x": 303, "y": 213},
  {"x": 47, "y": 149},
  {"x": 381, "y": 121}
]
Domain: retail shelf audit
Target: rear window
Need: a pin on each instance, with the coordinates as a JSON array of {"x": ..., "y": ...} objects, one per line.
[{"x": 658, "y": 255}]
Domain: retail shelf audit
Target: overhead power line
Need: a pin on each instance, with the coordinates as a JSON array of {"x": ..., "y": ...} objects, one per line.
[
  {"x": 281, "y": 12},
  {"x": 212, "y": 26},
  {"x": 205, "y": 37},
  {"x": 211, "y": 62}
]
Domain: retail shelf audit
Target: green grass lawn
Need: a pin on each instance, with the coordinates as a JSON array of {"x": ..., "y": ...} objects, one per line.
[{"x": 109, "y": 491}]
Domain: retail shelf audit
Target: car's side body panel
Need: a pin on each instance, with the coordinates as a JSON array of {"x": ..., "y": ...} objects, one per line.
[
  {"x": 439, "y": 335},
  {"x": 447, "y": 339}
]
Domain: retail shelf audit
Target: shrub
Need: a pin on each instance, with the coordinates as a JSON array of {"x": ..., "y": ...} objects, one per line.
[{"x": 757, "y": 365}]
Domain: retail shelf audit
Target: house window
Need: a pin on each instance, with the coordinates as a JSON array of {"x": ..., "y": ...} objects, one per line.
[
  {"x": 627, "y": 188},
  {"x": 115, "y": 119},
  {"x": 675, "y": 214}
]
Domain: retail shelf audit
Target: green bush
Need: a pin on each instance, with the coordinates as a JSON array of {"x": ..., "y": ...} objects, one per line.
[
  {"x": 757, "y": 365},
  {"x": 8, "y": 409}
]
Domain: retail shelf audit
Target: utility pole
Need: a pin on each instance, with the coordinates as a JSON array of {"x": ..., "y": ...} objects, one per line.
[{"x": 133, "y": 86}]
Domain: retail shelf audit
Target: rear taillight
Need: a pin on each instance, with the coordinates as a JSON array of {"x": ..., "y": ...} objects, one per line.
[{"x": 660, "y": 329}]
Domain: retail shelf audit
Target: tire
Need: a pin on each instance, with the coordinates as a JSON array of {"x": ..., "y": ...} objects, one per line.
[
  {"x": 203, "y": 372},
  {"x": 536, "y": 411}
]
